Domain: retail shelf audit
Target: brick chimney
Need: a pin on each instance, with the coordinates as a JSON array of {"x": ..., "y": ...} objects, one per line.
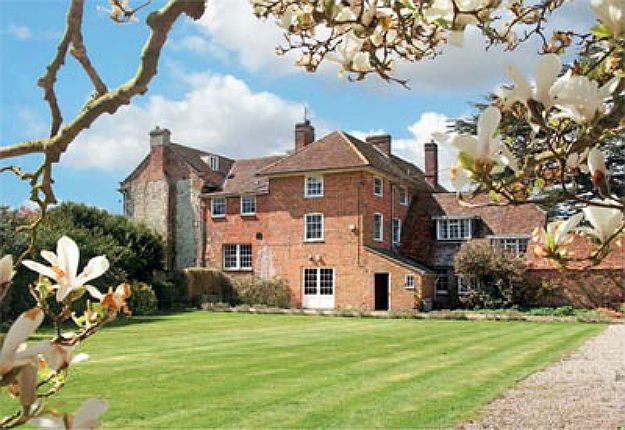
[
  {"x": 382, "y": 142},
  {"x": 160, "y": 137},
  {"x": 430, "y": 150},
  {"x": 304, "y": 135}
]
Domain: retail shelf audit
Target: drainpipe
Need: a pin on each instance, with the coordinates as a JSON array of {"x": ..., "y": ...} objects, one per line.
[
  {"x": 390, "y": 246},
  {"x": 203, "y": 233},
  {"x": 361, "y": 185}
]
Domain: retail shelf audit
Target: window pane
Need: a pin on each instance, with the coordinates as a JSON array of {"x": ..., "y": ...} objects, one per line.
[
  {"x": 230, "y": 256},
  {"x": 248, "y": 204},
  {"x": 403, "y": 196},
  {"x": 245, "y": 256},
  {"x": 396, "y": 230},
  {"x": 314, "y": 226},
  {"x": 442, "y": 281},
  {"x": 219, "y": 206},
  {"x": 314, "y": 186},
  {"x": 310, "y": 281},
  {"x": 377, "y": 186},
  {"x": 409, "y": 281},
  {"x": 326, "y": 281},
  {"x": 377, "y": 226}
]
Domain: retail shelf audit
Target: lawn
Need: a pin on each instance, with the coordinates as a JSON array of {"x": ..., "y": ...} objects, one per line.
[{"x": 201, "y": 369}]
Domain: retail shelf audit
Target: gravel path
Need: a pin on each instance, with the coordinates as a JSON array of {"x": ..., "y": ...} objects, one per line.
[{"x": 585, "y": 391}]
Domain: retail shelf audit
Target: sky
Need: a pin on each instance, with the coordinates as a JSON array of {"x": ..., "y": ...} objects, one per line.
[{"x": 221, "y": 88}]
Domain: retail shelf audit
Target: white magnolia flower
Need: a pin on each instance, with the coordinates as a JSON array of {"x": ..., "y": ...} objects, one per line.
[
  {"x": 14, "y": 351},
  {"x": 445, "y": 10},
  {"x": 484, "y": 151},
  {"x": 547, "y": 71},
  {"x": 58, "y": 357},
  {"x": 6, "y": 269},
  {"x": 557, "y": 235},
  {"x": 611, "y": 13},
  {"x": 64, "y": 267},
  {"x": 579, "y": 98},
  {"x": 596, "y": 165},
  {"x": 577, "y": 160},
  {"x": 86, "y": 417},
  {"x": 361, "y": 63},
  {"x": 604, "y": 220},
  {"x": 460, "y": 177},
  {"x": 349, "y": 47}
]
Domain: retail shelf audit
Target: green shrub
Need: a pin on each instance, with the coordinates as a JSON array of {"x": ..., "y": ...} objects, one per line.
[
  {"x": 169, "y": 295},
  {"x": 501, "y": 278},
  {"x": 257, "y": 291},
  {"x": 142, "y": 299},
  {"x": 204, "y": 285}
]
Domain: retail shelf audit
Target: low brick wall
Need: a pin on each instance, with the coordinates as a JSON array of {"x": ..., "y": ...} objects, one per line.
[{"x": 589, "y": 288}]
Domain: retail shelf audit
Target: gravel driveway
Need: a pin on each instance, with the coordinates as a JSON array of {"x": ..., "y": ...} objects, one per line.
[{"x": 583, "y": 391}]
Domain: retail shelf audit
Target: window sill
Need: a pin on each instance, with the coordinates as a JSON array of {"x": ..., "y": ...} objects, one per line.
[
  {"x": 442, "y": 293},
  {"x": 313, "y": 197},
  {"x": 238, "y": 270},
  {"x": 408, "y": 288},
  {"x": 378, "y": 195},
  {"x": 251, "y": 214},
  {"x": 314, "y": 240},
  {"x": 378, "y": 240},
  {"x": 218, "y": 216}
]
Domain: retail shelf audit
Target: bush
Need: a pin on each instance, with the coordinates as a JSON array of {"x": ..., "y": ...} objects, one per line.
[
  {"x": 500, "y": 277},
  {"x": 257, "y": 291},
  {"x": 142, "y": 299},
  {"x": 204, "y": 285},
  {"x": 169, "y": 295}
]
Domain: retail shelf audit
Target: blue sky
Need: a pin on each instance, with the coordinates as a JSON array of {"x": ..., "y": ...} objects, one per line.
[{"x": 220, "y": 88}]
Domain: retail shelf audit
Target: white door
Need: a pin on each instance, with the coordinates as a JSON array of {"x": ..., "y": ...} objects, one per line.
[{"x": 318, "y": 288}]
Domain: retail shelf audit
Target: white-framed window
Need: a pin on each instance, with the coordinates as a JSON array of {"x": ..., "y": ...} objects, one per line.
[
  {"x": 237, "y": 257},
  {"x": 218, "y": 207},
  {"x": 442, "y": 282},
  {"x": 248, "y": 205},
  {"x": 453, "y": 228},
  {"x": 403, "y": 196},
  {"x": 378, "y": 186},
  {"x": 515, "y": 245},
  {"x": 318, "y": 281},
  {"x": 313, "y": 227},
  {"x": 410, "y": 281},
  {"x": 213, "y": 162},
  {"x": 378, "y": 227},
  {"x": 466, "y": 284},
  {"x": 313, "y": 186},
  {"x": 396, "y": 231}
]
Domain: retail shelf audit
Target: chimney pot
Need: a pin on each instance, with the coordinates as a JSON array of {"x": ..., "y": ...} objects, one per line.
[
  {"x": 304, "y": 135},
  {"x": 382, "y": 142},
  {"x": 160, "y": 136},
  {"x": 430, "y": 150}
]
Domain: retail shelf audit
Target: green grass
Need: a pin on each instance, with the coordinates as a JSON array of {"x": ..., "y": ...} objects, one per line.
[{"x": 221, "y": 370}]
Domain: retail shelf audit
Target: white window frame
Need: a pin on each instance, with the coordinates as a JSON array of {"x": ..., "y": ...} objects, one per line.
[
  {"x": 379, "y": 238},
  {"x": 213, "y": 200},
  {"x": 306, "y": 238},
  {"x": 503, "y": 242},
  {"x": 403, "y": 192},
  {"x": 307, "y": 194},
  {"x": 396, "y": 240},
  {"x": 410, "y": 281},
  {"x": 464, "y": 285},
  {"x": 253, "y": 198},
  {"x": 375, "y": 179},
  {"x": 238, "y": 267},
  {"x": 213, "y": 162},
  {"x": 445, "y": 224},
  {"x": 317, "y": 271}
]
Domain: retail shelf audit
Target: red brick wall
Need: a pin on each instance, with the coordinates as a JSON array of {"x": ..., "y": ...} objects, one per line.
[{"x": 282, "y": 252}]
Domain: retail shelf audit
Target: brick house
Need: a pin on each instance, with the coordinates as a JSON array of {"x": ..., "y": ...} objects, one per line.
[{"x": 345, "y": 222}]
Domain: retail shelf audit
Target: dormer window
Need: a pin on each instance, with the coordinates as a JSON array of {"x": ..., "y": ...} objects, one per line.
[
  {"x": 248, "y": 205},
  {"x": 378, "y": 186},
  {"x": 516, "y": 245},
  {"x": 212, "y": 161},
  {"x": 454, "y": 228},
  {"x": 313, "y": 186}
]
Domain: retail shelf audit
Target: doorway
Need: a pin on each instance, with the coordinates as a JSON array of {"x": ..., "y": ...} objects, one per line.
[{"x": 381, "y": 291}]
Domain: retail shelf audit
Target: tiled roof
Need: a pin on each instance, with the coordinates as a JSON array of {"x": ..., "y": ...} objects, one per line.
[
  {"x": 242, "y": 176},
  {"x": 193, "y": 157},
  {"x": 399, "y": 259},
  {"x": 339, "y": 150}
]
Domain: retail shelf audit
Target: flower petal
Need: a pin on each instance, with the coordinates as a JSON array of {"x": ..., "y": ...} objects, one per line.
[
  {"x": 96, "y": 267},
  {"x": 89, "y": 412},
  {"x": 95, "y": 293},
  {"x": 547, "y": 71},
  {"x": 21, "y": 329},
  {"x": 40, "y": 268},
  {"x": 6, "y": 269},
  {"x": 50, "y": 257},
  {"x": 488, "y": 122},
  {"x": 68, "y": 255}
]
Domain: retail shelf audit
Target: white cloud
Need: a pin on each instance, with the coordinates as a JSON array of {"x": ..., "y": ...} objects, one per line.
[
  {"x": 219, "y": 113},
  {"x": 19, "y": 31},
  {"x": 228, "y": 28},
  {"x": 33, "y": 124},
  {"x": 412, "y": 148}
]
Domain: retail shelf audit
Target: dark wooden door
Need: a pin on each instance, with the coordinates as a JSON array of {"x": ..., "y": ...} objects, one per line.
[{"x": 381, "y": 291}]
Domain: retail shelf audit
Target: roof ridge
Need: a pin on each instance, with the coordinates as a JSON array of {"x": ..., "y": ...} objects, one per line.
[{"x": 346, "y": 136}]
